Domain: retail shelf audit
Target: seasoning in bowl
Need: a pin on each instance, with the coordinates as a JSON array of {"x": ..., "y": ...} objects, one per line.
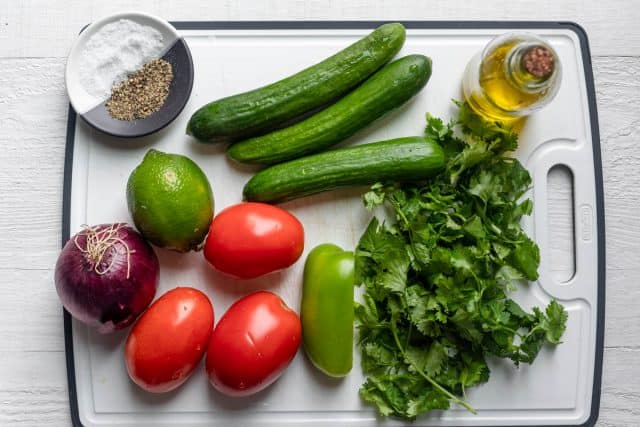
[
  {"x": 129, "y": 74},
  {"x": 143, "y": 93}
]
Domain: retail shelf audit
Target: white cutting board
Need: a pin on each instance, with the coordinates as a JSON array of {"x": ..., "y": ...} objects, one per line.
[{"x": 557, "y": 390}]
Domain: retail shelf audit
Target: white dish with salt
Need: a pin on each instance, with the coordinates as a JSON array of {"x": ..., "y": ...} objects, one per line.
[
  {"x": 112, "y": 49},
  {"x": 109, "y": 50}
]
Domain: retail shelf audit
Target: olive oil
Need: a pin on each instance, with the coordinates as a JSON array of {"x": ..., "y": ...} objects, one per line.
[{"x": 515, "y": 75}]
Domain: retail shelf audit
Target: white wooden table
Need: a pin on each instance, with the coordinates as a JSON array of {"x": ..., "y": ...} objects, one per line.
[{"x": 34, "y": 39}]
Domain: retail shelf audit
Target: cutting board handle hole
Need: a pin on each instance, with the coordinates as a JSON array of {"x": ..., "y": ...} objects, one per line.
[{"x": 560, "y": 217}]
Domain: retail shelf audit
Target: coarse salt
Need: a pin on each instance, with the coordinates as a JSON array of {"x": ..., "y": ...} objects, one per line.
[{"x": 115, "y": 51}]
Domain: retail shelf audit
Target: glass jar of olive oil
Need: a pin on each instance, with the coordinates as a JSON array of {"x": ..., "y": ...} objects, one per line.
[{"x": 515, "y": 75}]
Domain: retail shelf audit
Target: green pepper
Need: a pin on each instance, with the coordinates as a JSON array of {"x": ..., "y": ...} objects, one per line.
[{"x": 326, "y": 311}]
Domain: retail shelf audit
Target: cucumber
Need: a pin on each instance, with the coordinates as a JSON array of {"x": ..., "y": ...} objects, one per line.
[
  {"x": 403, "y": 159},
  {"x": 387, "y": 89},
  {"x": 257, "y": 111}
]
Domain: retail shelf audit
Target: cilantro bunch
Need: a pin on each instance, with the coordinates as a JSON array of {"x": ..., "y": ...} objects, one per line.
[{"x": 437, "y": 280}]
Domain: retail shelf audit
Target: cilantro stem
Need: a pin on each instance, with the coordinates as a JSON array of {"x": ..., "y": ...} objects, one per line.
[
  {"x": 406, "y": 344},
  {"x": 506, "y": 328},
  {"x": 401, "y": 215},
  {"x": 534, "y": 329},
  {"x": 437, "y": 386}
]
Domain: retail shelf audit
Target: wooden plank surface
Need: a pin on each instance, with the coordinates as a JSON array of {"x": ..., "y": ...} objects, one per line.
[
  {"x": 46, "y": 28},
  {"x": 34, "y": 38}
]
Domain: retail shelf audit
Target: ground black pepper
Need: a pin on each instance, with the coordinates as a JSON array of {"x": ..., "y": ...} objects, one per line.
[{"x": 143, "y": 93}]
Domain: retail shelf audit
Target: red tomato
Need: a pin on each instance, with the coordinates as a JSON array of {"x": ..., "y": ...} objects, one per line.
[
  {"x": 254, "y": 341},
  {"x": 251, "y": 239},
  {"x": 169, "y": 339}
]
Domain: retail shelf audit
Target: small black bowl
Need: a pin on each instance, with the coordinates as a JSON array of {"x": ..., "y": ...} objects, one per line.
[{"x": 93, "y": 109}]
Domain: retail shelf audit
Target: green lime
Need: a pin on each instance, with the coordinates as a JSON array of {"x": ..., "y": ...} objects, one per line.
[{"x": 170, "y": 200}]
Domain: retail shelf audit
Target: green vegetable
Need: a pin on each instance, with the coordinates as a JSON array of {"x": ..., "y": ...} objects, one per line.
[
  {"x": 437, "y": 280},
  {"x": 260, "y": 110},
  {"x": 386, "y": 90},
  {"x": 402, "y": 159},
  {"x": 326, "y": 311}
]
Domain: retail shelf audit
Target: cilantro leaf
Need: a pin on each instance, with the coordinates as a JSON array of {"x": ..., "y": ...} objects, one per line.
[
  {"x": 427, "y": 401},
  {"x": 526, "y": 257},
  {"x": 474, "y": 371},
  {"x": 393, "y": 276},
  {"x": 555, "y": 322},
  {"x": 435, "y": 304},
  {"x": 501, "y": 136},
  {"x": 374, "y": 197},
  {"x": 366, "y": 313},
  {"x": 427, "y": 359},
  {"x": 385, "y": 395},
  {"x": 376, "y": 356}
]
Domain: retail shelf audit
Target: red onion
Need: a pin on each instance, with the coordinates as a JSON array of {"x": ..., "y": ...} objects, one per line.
[{"x": 106, "y": 276}]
